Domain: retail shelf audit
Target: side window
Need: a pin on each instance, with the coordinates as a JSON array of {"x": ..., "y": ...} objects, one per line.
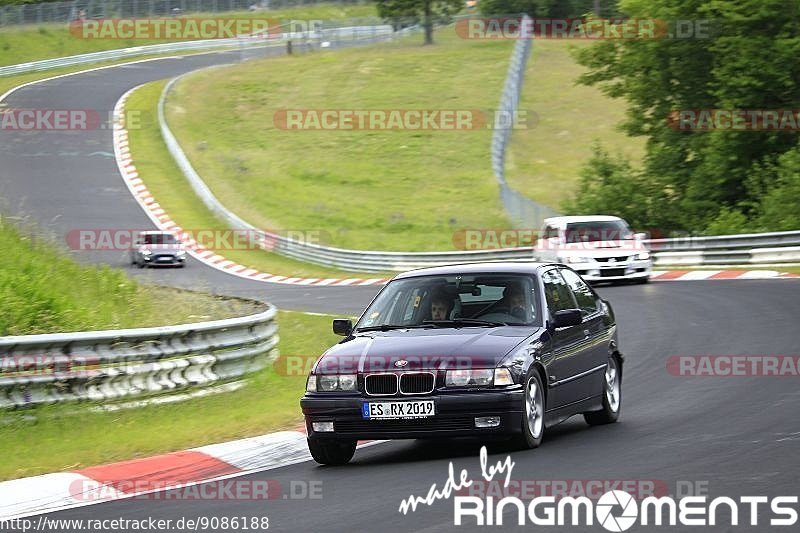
[
  {"x": 556, "y": 292},
  {"x": 587, "y": 301}
]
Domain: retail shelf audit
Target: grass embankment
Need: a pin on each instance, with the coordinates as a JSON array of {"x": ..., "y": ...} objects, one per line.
[
  {"x": 48, "y": 439},
  {"x": 173, "y": 192},
  {"x": 20, "y": 44},
  {"x": 44, "y": 291},
  {"x": 544, "y": 162},
  {"x": 388, "y": 189}
]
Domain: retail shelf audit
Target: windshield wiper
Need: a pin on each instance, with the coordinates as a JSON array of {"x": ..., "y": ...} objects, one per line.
[
  {"x": 388, "y": 327},
  {"x": 465, "y": 322}
]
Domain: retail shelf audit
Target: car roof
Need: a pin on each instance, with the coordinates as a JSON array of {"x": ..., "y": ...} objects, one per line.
[
  {"x": 561, "y": 222},
  {"x": 506, "y": 267}
]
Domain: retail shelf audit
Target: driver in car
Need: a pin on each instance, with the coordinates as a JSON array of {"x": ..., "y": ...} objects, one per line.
[{"x": 513, "y": 301}]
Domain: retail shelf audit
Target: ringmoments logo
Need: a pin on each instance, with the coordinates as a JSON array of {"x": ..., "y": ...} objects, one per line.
[{"x": 615, "y": 510}]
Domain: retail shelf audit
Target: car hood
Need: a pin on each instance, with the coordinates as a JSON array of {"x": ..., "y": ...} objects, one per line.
[{"x": 423, "y": 349}]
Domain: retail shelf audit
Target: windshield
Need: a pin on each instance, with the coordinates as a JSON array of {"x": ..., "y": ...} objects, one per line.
[
  {"x": 481, "y": 300},
  {"x": 159, "y": 238},
  {"x": 611, "y": 230}
]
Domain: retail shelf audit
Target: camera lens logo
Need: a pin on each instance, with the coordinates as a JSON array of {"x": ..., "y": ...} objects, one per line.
[{"x": 607, "y": 503}]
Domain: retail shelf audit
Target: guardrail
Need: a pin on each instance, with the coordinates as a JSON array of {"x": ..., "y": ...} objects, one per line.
[
  {"x": 121, "y": 53},
  {"x": 336, "y": 34},
  {"x": 521, "y": 210},
  {"x": 128, "y": 363}
]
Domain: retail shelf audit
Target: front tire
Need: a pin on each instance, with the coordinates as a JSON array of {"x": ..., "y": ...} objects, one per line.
[
  {"x": 330, "y": 451},
  {"x": 612, "y": 396},
  {"x": 533, "y": 413}
]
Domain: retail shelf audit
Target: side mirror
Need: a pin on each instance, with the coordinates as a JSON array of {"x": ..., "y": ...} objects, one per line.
[
  {"x": 342, "y": 326},
  {"x": 640, "y": 236},
  {"x": 567, "y": 317}
]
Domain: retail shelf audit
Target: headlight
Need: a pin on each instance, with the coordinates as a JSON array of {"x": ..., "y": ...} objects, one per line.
[
  {"x": 572, "y": 259},
  {"x": 334, "y": 382},
  {"x": 147, "y": 252},
  {"x": 644, "y": 255},
  {"x": 469, "y": 378},
  {"x": 181, "y": 253}
]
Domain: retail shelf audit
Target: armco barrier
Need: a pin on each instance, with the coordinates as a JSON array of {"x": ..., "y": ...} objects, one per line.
[
  {"x": 521, "y": 210},
  {"x": 129, "y": 363},
  {"x": 336, "y": 34}
]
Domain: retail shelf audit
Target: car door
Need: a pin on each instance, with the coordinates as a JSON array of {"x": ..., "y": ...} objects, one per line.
[
  {"x": 568, "y": 346},
  {"x": 595, "y": 331}
]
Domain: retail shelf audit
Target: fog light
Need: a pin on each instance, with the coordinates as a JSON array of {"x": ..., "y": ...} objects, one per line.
[
  {"x": 487, "y": 421},
  {"x": 322, "y": 427}
]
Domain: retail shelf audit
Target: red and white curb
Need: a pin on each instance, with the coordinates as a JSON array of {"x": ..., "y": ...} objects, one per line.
[
  {"x": 701, "y": 275},
  {"x": 142, "y": 477},
  {"x": 163, "y": 221}
]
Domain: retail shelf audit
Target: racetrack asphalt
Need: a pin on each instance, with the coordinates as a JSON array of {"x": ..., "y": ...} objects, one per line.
[
  {"x": 64, "y": 181},
  {"x": 740, "y": 435}
]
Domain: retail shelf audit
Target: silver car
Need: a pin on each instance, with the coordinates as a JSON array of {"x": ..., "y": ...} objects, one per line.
[
  {"x": 598, "y": 247},
  {"x": 158, "y": 248}
]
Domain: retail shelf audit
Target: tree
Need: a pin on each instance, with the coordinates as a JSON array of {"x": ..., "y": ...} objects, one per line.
[
  {"x": 408, "y": 12},
  {"x": 746, "y": 60}
]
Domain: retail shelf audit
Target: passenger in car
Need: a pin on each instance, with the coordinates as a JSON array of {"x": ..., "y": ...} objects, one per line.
[{"x": 440, "y": 306}]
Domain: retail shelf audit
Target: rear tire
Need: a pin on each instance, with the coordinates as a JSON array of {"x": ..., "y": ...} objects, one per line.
[
  {"x": 331, "y": 451},
  {"x": 612, "y": 396},
  {"x": 533, "y": 409}
]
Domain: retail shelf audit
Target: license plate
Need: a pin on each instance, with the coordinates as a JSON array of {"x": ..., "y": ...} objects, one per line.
[{"x": 388, "y": 410}]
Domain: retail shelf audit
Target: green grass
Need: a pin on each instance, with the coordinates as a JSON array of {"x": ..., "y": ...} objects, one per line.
[
  {"x": 544, "y": 161},
  {"x": 20, "y": 44},
  {"x": 400, "y": 189},
  {"x": 173, "y": 192},
  {"x": 48, "y": 439},
  {"x": 45, "y": 291}
]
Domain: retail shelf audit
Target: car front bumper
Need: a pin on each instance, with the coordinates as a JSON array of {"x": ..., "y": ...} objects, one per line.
[
  {"x": 455, "y": 414},
  {"x": 156, "y": 261},
  {"x": 597, "y": 271}
]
